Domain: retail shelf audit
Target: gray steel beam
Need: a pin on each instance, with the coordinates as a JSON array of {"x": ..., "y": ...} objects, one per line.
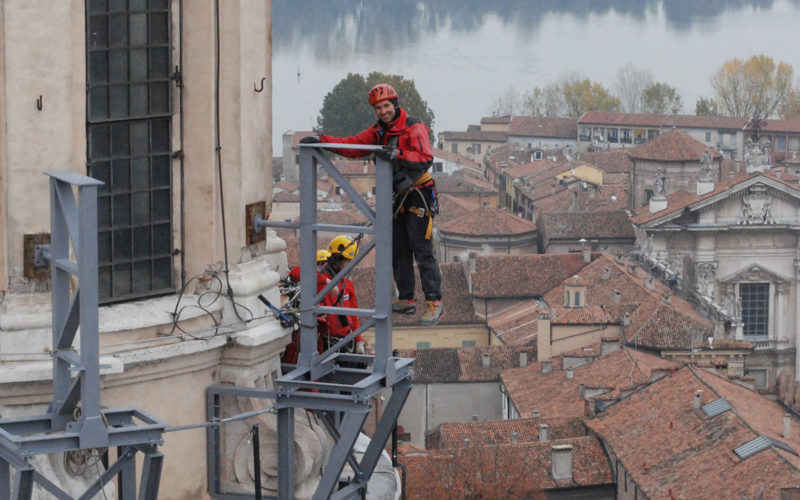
[
  {"x": 126, "y": 479},
  {"x": 390, "y": 414},
  {"x": 5, "y": 479},
  {"x": 151, "y": 476},
  {"x": 286, "y": 453},
  {"x": 23, "y": 483},
  {"x": 349, "y": 430}
]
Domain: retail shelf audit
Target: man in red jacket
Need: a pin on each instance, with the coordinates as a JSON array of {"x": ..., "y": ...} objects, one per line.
[{"x": 407, "y": 147}]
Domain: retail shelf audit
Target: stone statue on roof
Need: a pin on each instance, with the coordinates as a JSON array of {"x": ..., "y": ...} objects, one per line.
[
  {"x": 705, "y": 165},
  {"x": 659, "y": 184}
]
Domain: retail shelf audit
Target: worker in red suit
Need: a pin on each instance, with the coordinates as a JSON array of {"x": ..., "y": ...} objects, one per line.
[
  {"x": 406, "y": 145},
  {"x": 336, "y": 326}
]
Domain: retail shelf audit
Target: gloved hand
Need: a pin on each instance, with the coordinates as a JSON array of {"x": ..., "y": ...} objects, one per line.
[
  {"x": 311, "y": 139},
  {"x": 387, "y": 153},
  {"x": 360, "y": 348}
]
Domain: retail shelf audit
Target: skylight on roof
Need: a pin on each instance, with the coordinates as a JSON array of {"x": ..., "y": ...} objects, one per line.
[
  {"x": 760, "y": 443},
  {"x": 714, "y": 408}
]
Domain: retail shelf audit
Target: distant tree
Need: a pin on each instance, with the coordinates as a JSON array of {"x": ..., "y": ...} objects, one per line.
[
  {"x": 509, "y": 102},
  {"x": 661, "y": 98},
  {"x": 790, "y": 107},
  {"x": 631, "y": 82},
  {"x": 346, "y": 110},
  {"x": 754, "y": 88},
  {"x": 545, "y": 102},
  {"x": 584, "y": 95},
  {"x": 706, "y": 106}
]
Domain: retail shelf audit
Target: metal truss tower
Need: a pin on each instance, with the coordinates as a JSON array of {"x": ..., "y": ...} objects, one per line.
[
  {"x": 75, "y": 420},
  {"x": 326, "y": 382}
]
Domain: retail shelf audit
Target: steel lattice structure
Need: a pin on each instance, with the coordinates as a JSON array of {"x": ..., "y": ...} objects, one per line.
[
  {"x": 74, "y": 420},
  {"x": 325, "y": 382}
]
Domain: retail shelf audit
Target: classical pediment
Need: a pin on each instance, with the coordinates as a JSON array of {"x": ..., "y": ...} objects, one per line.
[{"x": 754, "y": 272}]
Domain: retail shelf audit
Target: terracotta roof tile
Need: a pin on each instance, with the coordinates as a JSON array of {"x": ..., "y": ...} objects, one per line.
[
  {"x": 589, "y": 225},
  {"x": 476, "y": 136},
  {"x": 667, "y": 328},
  {"x": 519, "y": 470},
  {"x": 456, "y": 158},
  {"x": 591, "y": 315},
  {"x": 451, "y": 207},
  {"x": 674, "y": 145},
  {"x": 464, "y": 364},
  {"x": 534, "y": 126},
  {"x": 499, "y": 276},
  {"x": 488, "y": 221},
  {"x": 518, "y": 325},
  {"x": 606, "y": 198},
  {"x": 458, "y": 308},
  {"x": 668, "y": 447},
  {"x": 453, "y": 434},
  {"x": 555, "y": 395},
  {"x": 462, "y": 184},
  {"x": 504, "y": 119},
  {"x": 656, "y": 120},
  {"x": 612, "y": 161}
]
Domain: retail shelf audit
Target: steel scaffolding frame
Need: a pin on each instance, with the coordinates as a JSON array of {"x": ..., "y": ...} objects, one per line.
[
  {"x": 326, "y": 382},
  {"x": 74, "y": 420}
]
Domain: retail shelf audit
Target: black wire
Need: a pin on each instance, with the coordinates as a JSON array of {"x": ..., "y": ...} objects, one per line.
[{"x": 219, "y": 160}]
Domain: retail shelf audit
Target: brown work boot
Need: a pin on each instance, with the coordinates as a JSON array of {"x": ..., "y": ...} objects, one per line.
[
  {"x": 404, "y": 306},
  {"x": 432, "y": 313}
]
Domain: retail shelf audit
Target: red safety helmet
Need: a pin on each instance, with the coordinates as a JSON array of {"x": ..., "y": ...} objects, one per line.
[{"x": 381, "y": 92}]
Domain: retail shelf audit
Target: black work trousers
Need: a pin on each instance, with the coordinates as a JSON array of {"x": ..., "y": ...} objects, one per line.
[{"x": 409, "y": 244}]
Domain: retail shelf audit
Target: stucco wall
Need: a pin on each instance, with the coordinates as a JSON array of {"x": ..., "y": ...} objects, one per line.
[
  {"x": 407, "y": 337},
  {"x": 429, "y": 405}
]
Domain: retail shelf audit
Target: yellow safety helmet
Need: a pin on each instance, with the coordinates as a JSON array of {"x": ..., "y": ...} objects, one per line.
[
  {"x": 343, "y": 245},
  {"x": 322, "y": 256}
]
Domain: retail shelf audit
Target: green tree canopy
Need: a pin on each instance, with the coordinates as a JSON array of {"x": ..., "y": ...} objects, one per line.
[
  {"x": 346, "y": 110},
  {"x": 661, "y": 98},
  {"x": 706, "y": 106}
]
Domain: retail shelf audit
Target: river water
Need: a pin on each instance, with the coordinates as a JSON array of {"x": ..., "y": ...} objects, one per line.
[{"x": 463, "y": 54}]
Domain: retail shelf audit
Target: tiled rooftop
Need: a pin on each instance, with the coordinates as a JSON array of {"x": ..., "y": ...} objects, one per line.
[
  {"x": 589, "y": 225},
  {"x": 458, "y": 308},
  {"x": 464, "y": 364},
  {"x": 518, "y": 276},
  {"x": 488, "y": 221},
  {"x": 670, "y": 448},
  {"x": 555, "y": 395},
  {"x": 534, "y": 126},
  {"x": 476, "y": 136},
  {"x": 612, "y": 161},
  {"x": 453, "y": 434},
  {"x": 519, "y": 324},
  {"x": 462, "y": 184},
  {"x": 503, "y": 471},
  {"x": 674, "y": 145}
]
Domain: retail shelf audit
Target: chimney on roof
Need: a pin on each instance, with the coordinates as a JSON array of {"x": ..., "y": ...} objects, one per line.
[
  {"x": 586, "y": 249},
  {"x": 547, "y": 366},
  {"x": 523, "y": 359},
  {"x": 626, "y": 320},
  {"x": 573, "y": 206},
  {"x": 553, "y": 312},
  {"x": 650, "y": 283},
  {"x": 787, "y": 420},
  {"x": 698, "y": 399},
  {"x": 535, "y": 414},
  {"x": 472, "y": 256},
  {"x": 467, "y": 442},
  {"x": 486, "y": 360},
  {"x": 561, "y": 460},
  {"x": 552, "y": 189},
  {"x": 544, "y": 431},
  {"x": 615, "y": 296},
  {"x": 606, "y": 274},
  {"x": 570, "y": 373},
  {"x": 514, "y": 437}
]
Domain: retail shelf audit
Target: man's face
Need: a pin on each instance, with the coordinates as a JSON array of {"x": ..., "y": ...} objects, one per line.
[{"x": 384, "y": 110}]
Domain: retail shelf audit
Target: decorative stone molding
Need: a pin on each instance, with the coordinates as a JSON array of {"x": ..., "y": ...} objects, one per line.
[
  {"x": 756, "y": 206},
  {"x": 705, "y": 273}
]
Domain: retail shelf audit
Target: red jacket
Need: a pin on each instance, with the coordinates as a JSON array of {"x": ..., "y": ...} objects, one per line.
[
  {"x": 408, "y": 134},
  {"x": 343, "y": 295}
]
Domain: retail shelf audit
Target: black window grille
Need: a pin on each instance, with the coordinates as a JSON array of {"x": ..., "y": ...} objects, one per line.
[
  {"x": 129, "y": 143},
  {"x": 755, "y": 308}
]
